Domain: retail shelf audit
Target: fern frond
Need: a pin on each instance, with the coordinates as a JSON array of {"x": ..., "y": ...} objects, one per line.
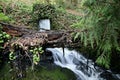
[{"x": 76, "y": 36}]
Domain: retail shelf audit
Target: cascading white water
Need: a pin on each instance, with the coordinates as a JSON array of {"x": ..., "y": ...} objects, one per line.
[
  {"x": 83, "y": 68},
  {"x": 76, "y": 63},
  {"x": 44, "y": 24}
]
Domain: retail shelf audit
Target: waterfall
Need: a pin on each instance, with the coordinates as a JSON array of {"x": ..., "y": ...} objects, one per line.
[
  {"x": 76, "y": 63},
  {"x": 44, "y": 24},
  {"x": 82, "y": 67}
]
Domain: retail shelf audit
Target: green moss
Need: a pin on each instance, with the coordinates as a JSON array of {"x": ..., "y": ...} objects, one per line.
[
  {"x": 39, "y": 73},
  {"x": 56, "y": 73}
]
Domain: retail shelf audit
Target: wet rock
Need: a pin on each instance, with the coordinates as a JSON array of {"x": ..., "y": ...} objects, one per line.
[{"x": 107, "y": 75}]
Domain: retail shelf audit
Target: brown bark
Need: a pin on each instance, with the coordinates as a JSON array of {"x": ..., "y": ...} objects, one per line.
[
  {"x": 15, "y": 30},
  {"x": 27, "y": 38}
]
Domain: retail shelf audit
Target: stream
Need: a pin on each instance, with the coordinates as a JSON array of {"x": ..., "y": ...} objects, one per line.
[{"x": 83, "y": 68}]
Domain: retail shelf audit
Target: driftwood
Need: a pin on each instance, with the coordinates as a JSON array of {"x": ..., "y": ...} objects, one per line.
[{"x": 27, "y": 37}]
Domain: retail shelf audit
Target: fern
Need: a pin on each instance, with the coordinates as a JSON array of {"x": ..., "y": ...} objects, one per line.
[
  {"x": 76, "y": 36},
  {"x": 102, "y": 22},
  {"x": 104, "y": 59}
]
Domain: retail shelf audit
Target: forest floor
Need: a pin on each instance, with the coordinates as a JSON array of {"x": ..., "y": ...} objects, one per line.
[{"x": 74, "y": 12}]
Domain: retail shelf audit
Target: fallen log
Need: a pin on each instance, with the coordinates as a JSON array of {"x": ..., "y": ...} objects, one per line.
[
  {"x": 14, "y": 30},
  {"x": 23, "y": 40},
  {"x": 26, "y": 37}
]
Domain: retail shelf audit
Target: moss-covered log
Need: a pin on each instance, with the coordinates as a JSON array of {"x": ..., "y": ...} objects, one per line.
[{"x": 26, "y": 37}]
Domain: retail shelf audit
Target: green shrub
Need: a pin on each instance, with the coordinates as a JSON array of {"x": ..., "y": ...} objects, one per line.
[
  {"x": 3, "y": 38},
  {"x": 44, "y": 11}
]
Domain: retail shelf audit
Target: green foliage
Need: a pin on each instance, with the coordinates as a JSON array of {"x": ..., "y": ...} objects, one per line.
[
  {"x": 17, "y": 11},
  {"x": 45, "y": 11},
  {"x": 3, "y": 17},
  {"x": 12, "y": 56},
  {"x": 68, "y": 4},
  {"x": 58, "y": 16},
  {"x": 40, "y": 73},
  {"x": 33, "y": 53},
  {"x": 36, "y": 51},
  {"x": 13, "y": 52},
  {"x": 21, "y": 13},
  {"x": 104, "y": 59},
  {"x": 42, "y": 11},
  {"x": 1, "y": 8},
  {"x": 4, "y": 37},
  {"x": 100, "y": 26},
  {"x": 60, "y": 3}
]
